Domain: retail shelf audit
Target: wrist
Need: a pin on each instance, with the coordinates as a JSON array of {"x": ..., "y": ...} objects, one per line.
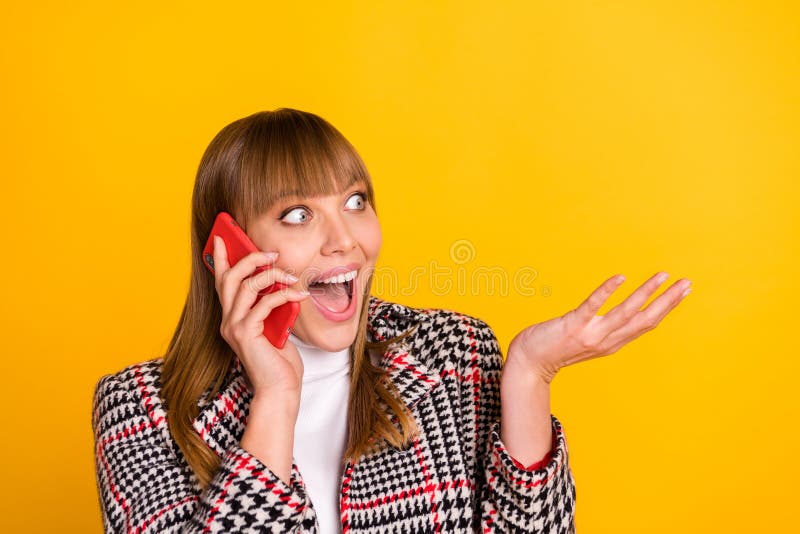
[
  {"x": 275, "y": 407},
  {"x": 526, "y": 384},
  {"x": 536, "y": 375}
]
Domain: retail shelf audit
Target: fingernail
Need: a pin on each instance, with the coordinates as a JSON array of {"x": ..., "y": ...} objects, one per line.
[
  {"x": 303, "y": 292},
  {"x": 618, "y": 280},
  {"x": 686, "y": 292},
  {"x": 291, "y": 277},
  {"x": 270, "y": 255},
  {"x": 661, "y": 277}
]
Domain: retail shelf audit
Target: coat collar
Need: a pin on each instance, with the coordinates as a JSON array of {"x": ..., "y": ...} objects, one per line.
[{"x": 221, "y": 420}]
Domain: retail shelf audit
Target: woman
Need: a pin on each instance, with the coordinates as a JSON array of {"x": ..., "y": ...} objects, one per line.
[{"x": 374, "y": 417}]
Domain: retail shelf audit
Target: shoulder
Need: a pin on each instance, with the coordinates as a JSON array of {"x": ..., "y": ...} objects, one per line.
[
  {"x": 122, "y": 393},
  {"x": 128, "y": 412},
  {"x": 128, "y": 378},
  {"x": 443, "y": 338},
  {"x": 451, "y": 338}
]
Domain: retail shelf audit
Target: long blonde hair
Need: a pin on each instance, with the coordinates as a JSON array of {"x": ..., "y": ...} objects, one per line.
[{"x": 245, "y": 168}]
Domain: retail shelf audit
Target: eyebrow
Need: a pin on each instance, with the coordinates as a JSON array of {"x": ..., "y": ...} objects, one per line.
[{"x": 290, "y": 194}]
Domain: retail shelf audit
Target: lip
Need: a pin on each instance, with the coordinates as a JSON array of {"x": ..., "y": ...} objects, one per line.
[
  {"x": 341, "y": 269},
  {"x": 346, "y": 313}
]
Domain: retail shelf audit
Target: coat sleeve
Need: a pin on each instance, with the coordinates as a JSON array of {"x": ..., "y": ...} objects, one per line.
[
  {"x": 512, "y": 498},
  {"x": 144, "y": 485}
]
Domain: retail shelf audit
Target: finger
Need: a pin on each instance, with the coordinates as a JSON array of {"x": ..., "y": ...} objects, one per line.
[
  {"x": 647, "y": 319},
  {"x": 620, "y": 314},
  {"x": 595, "y": 301},
  {"x": 258, "y": 314},
  {"x": 231, "y": 280},
  {"x": 250, "y": 263},
  {"x": 251, "y": 286},
  {"x": 268, "y": 277},
  {"x": 220, "y": 255}
]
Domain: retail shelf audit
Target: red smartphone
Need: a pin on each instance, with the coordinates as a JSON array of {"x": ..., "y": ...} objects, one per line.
[{"x": 278, "y": 324}]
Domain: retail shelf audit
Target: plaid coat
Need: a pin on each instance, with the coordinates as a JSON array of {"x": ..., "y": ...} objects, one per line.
[{"x": 455, "y": 477}]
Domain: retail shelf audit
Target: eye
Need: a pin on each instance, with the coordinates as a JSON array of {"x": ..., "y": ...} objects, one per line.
[
  {"x": 295, "y": 215},
  {"x": 356, "y": 201}
]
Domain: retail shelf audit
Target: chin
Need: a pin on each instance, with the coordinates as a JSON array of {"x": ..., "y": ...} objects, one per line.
[
  {"x": 328, "y": 335},
  {"x": 335, "y": 341}
]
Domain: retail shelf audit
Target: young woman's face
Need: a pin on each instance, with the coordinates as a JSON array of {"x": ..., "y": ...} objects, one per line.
[{"x": 313, "y": 236}]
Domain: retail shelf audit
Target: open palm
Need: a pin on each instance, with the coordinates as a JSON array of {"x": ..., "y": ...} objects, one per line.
[{"x": 581, "y": 334}]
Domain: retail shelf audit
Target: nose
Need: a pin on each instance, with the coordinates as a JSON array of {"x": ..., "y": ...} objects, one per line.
[{"x": 339, "y": 236}]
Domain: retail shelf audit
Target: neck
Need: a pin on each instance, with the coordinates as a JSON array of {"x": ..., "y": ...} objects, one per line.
[{"x": 318, "y": 362}]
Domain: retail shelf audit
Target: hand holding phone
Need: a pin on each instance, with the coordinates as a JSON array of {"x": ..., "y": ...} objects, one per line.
[{"x": 278, "y": 324}]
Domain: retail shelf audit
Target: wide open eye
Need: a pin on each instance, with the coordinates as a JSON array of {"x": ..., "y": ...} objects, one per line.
[
  {"x": 296, "y": 216},
  {"x": 357, "y": 201}
]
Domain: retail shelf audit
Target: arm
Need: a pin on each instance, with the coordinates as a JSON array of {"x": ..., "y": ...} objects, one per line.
[
  {"x": 511, "y": 497},
  {"x": 526, "y": 427},
  {"x": 144, "y": 483},
  {"x": 269, "y": 435}
]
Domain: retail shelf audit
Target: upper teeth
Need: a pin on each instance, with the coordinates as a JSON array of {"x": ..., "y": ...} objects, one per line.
[{"x": 344, "y": 277}]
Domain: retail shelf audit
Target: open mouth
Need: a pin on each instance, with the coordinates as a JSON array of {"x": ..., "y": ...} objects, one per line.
[{"x": 334, "y": 295}]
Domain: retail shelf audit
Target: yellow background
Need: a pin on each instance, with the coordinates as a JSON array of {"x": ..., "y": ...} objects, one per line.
[{"x": 578, "y": 139}]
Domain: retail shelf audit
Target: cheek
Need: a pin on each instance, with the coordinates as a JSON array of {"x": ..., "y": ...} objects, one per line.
[
  {"x": 294, "y": 255},
  {"x": 295, "y": 258},
  {"x": 372, "y": 239}
]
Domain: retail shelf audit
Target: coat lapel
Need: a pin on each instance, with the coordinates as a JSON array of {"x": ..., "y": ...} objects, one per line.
[{"x": 222, "y": 420}]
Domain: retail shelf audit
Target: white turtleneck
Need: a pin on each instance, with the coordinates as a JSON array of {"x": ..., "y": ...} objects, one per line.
[{"x": 320, "y": 434}]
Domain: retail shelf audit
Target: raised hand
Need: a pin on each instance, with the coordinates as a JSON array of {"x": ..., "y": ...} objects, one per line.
[
  {"x": 581, "y": 334},
  {"x": 272, "y": 372}
]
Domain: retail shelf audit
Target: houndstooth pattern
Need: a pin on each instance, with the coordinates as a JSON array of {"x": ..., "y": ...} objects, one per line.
[{"x": 457, "y": 476}]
